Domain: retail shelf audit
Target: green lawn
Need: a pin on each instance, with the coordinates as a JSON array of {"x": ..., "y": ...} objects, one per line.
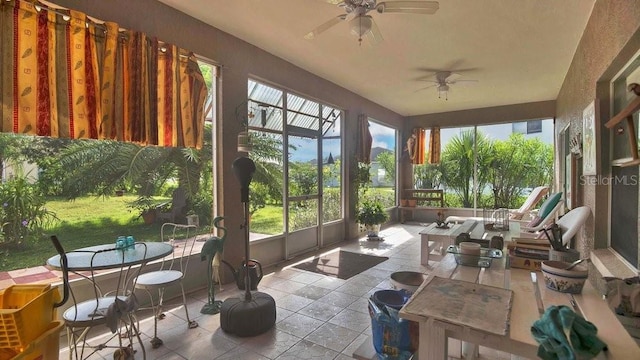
[{"x": 83, "y": 222}]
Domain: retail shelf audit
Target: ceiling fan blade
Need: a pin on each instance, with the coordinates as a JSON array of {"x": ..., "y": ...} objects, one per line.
[
  {"x": 428, "y": 87},
  {"x": 453, "y": 77},
  {"x": 324, "y": 27},
  {"x": 413, "y": 7},
  {"x": 462, "y": 82},
  {"x": 374, "y": 36}
]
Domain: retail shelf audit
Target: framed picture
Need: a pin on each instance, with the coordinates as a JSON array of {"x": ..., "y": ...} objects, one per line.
[
  {"x": 589, "y": 159},
  {"x": 569, "y": 181}
]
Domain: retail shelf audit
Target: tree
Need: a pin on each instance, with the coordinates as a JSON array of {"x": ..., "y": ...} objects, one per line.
[
  {"x": 267, "y": 155},
  {"x": 458, "y": 164},
  {"x": 519, "y": 163},
  {"x": 387, "y": 160}
]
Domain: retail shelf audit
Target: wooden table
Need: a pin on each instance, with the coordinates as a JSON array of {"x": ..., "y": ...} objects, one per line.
[
  {"x": 434, "y": 241},
  {"x": 435, "y": 333}
]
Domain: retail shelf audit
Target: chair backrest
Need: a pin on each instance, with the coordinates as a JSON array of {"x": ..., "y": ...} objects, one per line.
[
  {"x": 534, "y": 197},
  {"x": 183, "y": 239},
  {"x": 96, "y": 259},
  {"x": 572, "y": 221}
]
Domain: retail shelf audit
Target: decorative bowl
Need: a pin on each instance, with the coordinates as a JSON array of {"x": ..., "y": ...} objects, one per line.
[
  {"x": 565, "y": 281},
  {"x": 407, "y": 280}
]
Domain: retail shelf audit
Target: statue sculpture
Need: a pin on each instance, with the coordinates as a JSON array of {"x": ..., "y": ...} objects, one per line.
[{"x": 211, "y": 251}]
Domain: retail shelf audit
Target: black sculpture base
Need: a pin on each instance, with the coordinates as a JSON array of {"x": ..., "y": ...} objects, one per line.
[{"x": 248, "y": 317}]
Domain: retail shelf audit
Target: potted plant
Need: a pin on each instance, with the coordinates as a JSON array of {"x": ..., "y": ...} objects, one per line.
[
  {"x": 147, "y": 208},
  {"x": 371, "y": 214}
]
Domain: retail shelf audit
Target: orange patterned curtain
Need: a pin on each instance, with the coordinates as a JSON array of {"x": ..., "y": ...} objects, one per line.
[
  {"x": 65, "y": 76},
  {"x": 434, "y": 146},
  {"x": 415, "y": 146},
  {"x": 365, "y": 140}
]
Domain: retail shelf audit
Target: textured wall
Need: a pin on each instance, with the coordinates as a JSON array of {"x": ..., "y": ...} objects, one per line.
[{"x": 610, "y": 40}]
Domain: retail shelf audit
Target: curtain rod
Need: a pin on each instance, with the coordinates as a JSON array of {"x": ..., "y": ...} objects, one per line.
[{"x": 38, "y": 6}]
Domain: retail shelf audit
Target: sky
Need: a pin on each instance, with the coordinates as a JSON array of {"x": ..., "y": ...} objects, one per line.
[{"x": 384, "y": 137}]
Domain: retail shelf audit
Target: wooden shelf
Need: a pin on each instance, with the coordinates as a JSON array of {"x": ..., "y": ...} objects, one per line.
[{"x": 626, "y": 115}]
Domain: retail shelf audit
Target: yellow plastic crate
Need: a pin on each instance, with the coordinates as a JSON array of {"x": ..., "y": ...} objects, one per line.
[
  {"x": 26, "y": 311},
  {"x": 45, "y": 347}
]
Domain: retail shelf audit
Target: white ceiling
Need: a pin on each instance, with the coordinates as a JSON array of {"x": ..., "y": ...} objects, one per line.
[{"x": 518, "y": 50}]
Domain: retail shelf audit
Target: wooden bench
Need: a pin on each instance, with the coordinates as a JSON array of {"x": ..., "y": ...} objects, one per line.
[{"x": 420, "y": 200}]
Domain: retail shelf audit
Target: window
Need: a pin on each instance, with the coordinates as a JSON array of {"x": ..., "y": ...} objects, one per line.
[
  {"x": 383, "y": 163},
  {"x": 489, "y": 166},
  {"x": 624, "y": 186},
  {"x": 534, "y": 126},
  {"x": 298, "y": 151}
]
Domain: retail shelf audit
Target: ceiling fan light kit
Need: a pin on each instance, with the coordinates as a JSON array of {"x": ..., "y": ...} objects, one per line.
[{"x": 361, "y": 24}]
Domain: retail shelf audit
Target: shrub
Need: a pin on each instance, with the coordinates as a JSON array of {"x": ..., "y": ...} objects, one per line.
[{"x": 23, "y": 215}]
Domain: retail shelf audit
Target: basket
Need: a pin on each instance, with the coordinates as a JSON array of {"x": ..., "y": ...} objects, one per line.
[
  {"x": 44, "y": 347},
  {"x": 26, "y": 312}
]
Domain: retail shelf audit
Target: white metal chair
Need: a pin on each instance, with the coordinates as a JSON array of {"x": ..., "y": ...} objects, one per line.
[
  {"x": 171, "y": 273},
  {"x": 114, "y": 308},
  {"x": 572, "y": 222}
]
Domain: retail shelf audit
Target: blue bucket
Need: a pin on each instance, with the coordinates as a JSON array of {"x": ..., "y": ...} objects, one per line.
[{"x": 392, "y": 298}]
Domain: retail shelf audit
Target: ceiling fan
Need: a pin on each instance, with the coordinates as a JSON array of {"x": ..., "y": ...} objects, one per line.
[
  {"x": 362, "y": 24},
  {"x": 442, "y": 81}
]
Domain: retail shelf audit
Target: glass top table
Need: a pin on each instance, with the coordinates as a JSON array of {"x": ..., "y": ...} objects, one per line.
[{"x": 108, "y": 258}]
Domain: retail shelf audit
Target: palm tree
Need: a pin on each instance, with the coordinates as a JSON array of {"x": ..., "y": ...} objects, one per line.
[
  {"x": 458, "y": 164},
  {"x": 102, "y": 167}
]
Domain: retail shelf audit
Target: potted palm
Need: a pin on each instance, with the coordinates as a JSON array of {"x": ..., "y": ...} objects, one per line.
[{"x": 371, "y": 214}]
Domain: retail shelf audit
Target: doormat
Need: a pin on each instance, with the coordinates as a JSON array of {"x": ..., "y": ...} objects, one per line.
[{"x": 341, "y": 264}]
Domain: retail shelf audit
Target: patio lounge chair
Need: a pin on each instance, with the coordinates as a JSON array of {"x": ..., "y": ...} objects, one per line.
[
  {"x": 547, "y": 213},
  {"x": 514, "y": 214}
]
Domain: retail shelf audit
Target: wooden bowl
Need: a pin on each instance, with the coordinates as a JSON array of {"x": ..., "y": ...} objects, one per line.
[{"x": 407, "y": 280}]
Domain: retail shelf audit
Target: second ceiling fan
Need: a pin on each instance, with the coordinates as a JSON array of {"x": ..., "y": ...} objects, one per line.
[
  {"x": 442, "y": 80},
  {"x": 362, "y": 24}
]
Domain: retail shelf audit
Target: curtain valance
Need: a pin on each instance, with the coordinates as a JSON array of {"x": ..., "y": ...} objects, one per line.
[{"x": 64, "y": 75}]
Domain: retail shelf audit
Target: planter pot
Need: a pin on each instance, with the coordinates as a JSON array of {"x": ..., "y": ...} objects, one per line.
[
  {"x": 372, "y": 230},
  {"x": 149, "y": 216},
  {"x": 193, "y": 220}
]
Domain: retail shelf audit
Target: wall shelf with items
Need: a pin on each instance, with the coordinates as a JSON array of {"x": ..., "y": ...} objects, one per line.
[{"x": 618, "y": 121}]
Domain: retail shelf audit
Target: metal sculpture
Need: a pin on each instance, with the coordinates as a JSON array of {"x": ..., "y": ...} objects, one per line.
[{"x": 211, "y": 250}]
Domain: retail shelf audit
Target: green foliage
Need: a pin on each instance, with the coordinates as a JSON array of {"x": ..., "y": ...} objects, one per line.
[
  {"x": 387, "y": 160},
  {"x": 267, "y": 155},
  {"x": 458, "y": 164},
  {"x": 371, "y": 212},
  {"x": 23, "y": 214},
  {"x": 303, "y": 214},
  {"x": 258, "y": 196},
  {"x": 427, "y": 176},
  {"x": 142, "y": 204},
  {"x": 331, "y": 204},
  {"x": 504, "y": 168},
  {"x": 303, "y": 178}
]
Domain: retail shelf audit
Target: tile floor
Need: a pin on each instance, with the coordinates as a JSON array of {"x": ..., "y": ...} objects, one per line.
[{"x": 318, "y": 317}]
